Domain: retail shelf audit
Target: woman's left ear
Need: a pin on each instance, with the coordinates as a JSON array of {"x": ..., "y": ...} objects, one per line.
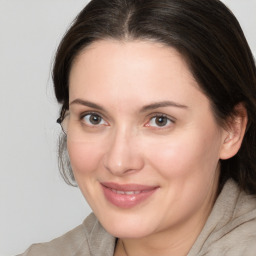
[{"x": 233, "y": 133}]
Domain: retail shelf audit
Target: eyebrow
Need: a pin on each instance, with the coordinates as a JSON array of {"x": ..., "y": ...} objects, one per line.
[
  {"x": 162, "y": 104},
  {"x": 143, "y": 109},
  {"x": 87, "y": 104}
]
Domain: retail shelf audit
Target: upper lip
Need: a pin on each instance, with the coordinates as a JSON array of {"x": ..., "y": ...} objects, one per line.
[{"x": 128, "y": 187}]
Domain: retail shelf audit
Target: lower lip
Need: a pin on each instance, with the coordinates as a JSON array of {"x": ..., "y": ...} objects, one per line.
[{"x": 126, "y": 201}]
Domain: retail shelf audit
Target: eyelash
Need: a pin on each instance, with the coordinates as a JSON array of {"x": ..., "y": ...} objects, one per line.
[
  {"x": 160, "y": 115},
  {"x": 152, "y": 116},
  {"x": 82, "y": 116}
]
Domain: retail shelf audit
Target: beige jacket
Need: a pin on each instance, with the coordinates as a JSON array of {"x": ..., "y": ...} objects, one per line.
[{"x": 229, "y": 231}]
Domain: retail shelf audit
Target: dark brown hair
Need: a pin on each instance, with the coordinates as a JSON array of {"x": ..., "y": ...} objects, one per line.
[{"x": 207, "y": 35}]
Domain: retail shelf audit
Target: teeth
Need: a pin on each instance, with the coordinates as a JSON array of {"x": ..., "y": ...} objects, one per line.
[
  {"x": 132, "y": 192},
  {"x": 126, "y": 192}
]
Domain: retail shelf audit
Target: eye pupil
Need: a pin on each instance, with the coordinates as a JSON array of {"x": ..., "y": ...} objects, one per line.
[
  {"x": 161, "y": 121},
  {"x": 95, "y": 119}
]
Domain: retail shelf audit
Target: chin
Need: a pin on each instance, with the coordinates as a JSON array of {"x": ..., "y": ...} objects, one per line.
[
  {"x": 128, "y": 232},
  {"x": 127, "y": 226}
]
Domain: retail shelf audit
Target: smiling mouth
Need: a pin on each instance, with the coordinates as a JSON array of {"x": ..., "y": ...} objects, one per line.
[
  {"x": 126, "y": 192},
  {"x": 128, "y": 195}
]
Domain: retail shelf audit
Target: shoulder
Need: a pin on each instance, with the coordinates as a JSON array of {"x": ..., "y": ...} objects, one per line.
[
  {"x": 86, "y": 239},
  {"x": 235, "y": 240},
  {"x": 231, "y": 227}
]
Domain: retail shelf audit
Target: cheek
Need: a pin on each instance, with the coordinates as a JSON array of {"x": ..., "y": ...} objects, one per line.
[
  {"x": 84, "y": 157},
  {"x": 184, "y": 156}
]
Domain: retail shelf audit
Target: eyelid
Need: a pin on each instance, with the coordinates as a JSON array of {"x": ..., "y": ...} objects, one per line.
[
  {"x": 78, "y": 111},
  {"x": 159, "y": 114},
  {"x": 154, "y": 115},
  {"x": 90, "y": 112}
]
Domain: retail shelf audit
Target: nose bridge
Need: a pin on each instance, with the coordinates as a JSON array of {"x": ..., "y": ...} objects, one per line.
[{"x": 123, "y": 153}]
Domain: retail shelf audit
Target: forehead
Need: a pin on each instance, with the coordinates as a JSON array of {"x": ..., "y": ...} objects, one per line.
[
  {"x": 138, "y": 70},
  {"x": 130, "y": 56}
]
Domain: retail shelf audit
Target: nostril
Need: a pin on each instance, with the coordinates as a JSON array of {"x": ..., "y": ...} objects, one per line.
[{"x": 123, "y": 164}]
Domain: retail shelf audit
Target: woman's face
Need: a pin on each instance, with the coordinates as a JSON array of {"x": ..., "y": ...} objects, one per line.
[{"x": 142, "y": 139}]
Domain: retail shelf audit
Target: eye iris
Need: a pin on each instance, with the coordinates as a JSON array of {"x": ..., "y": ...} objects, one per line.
[
  {"x": 161, "y": 121},
  {"x": 95, "y": 119}
]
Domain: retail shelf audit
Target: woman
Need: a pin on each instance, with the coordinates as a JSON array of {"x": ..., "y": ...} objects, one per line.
[{"x": 158, "y": 112}]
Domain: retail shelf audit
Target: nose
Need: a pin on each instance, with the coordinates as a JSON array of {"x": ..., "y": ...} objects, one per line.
[{"x": 123, "y": 155}]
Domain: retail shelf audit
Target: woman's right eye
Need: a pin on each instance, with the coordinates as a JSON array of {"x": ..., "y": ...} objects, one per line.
[{"x": 93, "y": 119}]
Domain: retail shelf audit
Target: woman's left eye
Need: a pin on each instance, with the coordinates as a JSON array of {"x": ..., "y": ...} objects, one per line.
[{"x": 159, "y": 121}]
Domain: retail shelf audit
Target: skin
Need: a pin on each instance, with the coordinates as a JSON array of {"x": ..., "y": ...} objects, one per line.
[{"x": 181, "y": 158}]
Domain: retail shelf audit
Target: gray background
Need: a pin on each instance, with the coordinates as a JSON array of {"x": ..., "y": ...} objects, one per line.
[{"x": 35, "y": 204}]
